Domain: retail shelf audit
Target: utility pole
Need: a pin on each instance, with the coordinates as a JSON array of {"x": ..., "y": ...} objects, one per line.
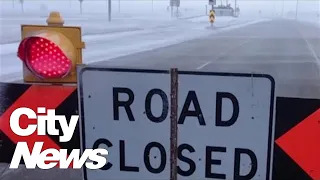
[
  {"x": 109, "y": 10},
  {"x": 206, "y": 9},
  {"x": 171, "y": 7},
  {"x": 318, "y": 14},
  {"x": 80, "y": 6},
  {"x": 297, "y": 9},
  {"x": 118, "y": 5},
  {"x": 235, "y": 8},
  {"x": 282, "y": 8}
]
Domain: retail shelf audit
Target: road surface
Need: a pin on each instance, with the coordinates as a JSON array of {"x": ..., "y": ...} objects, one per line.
[
  {"x": 287, "y": 50},
  {"x": 115, "y": 39}
]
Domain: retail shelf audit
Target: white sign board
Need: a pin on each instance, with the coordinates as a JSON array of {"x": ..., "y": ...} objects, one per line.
[
  {"x": 225, "y": 123},
  {"x": 212, "y": 2},
  {"x": 175, "y": 3}
]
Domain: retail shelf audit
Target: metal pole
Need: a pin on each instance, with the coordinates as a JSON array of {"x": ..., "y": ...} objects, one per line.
[
  {"x": 318, "y": 14},
  {"x": 235, "y": 5},
  {"x": 177, "y": 12},
  {"x": 282, "y": 8},
  {"x": 171, "y": 11},
  {"x": 109, "y": 10},
  {"x": 206, "y": 10},
  {"x": 152, "y": 5},
  {"x": 174, "y": 124},
  {"x": 297, "y": 9},
  {"x": 119, "y": 5}
]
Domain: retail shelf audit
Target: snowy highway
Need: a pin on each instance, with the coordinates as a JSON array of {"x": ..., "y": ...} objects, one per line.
[
  {"x": 148, "y": 37},
  {"x": 115, "y": 41},
  {"x": 286, "y": 49},
  {"x": 147, "y": 26}
]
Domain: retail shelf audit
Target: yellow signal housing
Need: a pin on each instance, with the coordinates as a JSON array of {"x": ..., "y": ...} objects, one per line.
[
  {"x": 67, "y": 40},
  {"x": 212, "y": 16}
]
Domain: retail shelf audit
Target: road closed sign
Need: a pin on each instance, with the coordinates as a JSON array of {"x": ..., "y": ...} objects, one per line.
[{"x": 225, "y": 123}]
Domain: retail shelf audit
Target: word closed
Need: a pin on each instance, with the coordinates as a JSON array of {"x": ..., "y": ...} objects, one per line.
[{"x": 207, "y": 160}]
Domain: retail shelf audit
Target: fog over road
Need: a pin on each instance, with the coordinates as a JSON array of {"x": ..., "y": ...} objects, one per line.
[{"x": 285, "y": 49}]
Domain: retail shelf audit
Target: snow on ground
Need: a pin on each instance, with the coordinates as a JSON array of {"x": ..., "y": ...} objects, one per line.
[{"x": 135, "y": 27}]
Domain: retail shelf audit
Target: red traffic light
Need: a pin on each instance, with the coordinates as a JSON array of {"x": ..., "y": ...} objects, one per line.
[
  {"x": 44, "y": 58},
  {"x": 50, "y": 53}
]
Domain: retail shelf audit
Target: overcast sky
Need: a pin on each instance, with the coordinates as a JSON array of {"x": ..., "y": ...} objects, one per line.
[
  {"x": 266, "y": 6},
  {"x": 289, "y": 5}
]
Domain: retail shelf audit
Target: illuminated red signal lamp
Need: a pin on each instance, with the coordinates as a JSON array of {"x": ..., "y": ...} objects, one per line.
[
  {"x": 44, "y": 58},
  {"x": 51, "y": 53}
]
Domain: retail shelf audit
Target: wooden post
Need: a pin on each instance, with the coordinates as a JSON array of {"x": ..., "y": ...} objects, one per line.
[{"x": 174, "y": 124}]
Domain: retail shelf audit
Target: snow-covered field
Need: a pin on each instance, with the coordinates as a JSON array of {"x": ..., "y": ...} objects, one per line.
[{"x": 137, "y": 25}]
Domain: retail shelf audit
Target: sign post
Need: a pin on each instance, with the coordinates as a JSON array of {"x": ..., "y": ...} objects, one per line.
[
  {"x": 109, "y": 10},
  {"x": 174, "y": 124},
  {"x": 225, "y": 123},
  {"x": 174, "y": 3},
  {"x": 212, "y": 13},
  {"x": 212, "y": 3}
]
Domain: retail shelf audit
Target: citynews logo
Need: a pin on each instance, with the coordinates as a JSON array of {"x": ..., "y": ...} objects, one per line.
[{"x": 49, "y": 158}]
